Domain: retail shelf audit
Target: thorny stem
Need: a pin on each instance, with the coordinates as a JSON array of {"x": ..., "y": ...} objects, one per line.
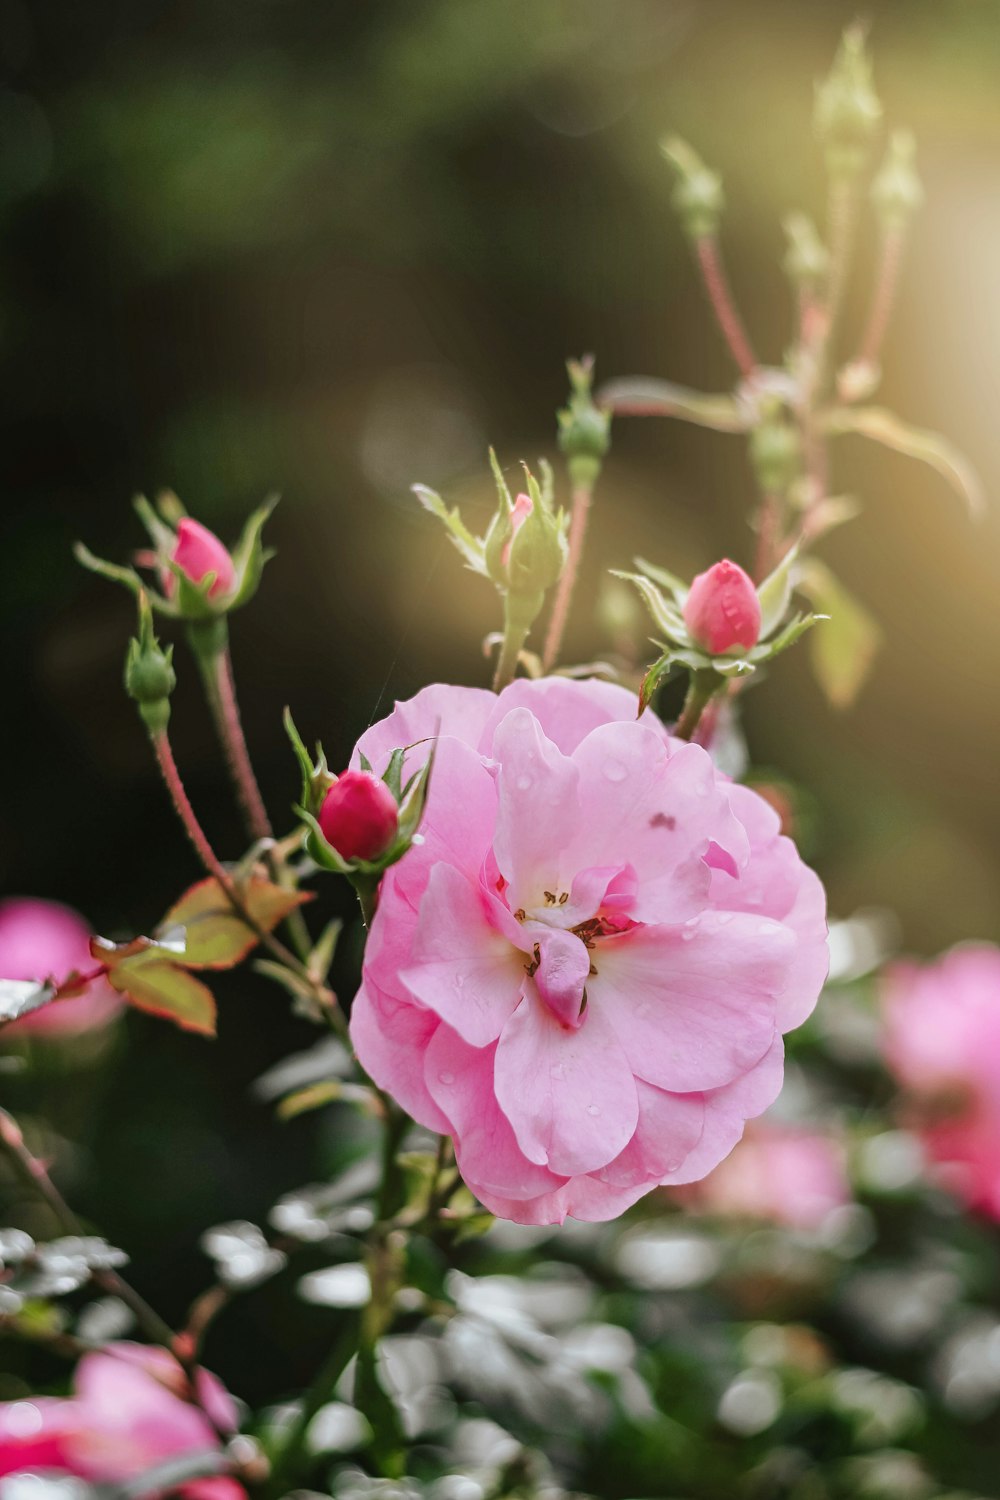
[
  {"x": 225, "y": 709},
  {"x": 719, "y": 295},
  {"x": 34, "y": 1174},
  {"x": 582, "y": 497},
  {"x": 182, "y": 803},
  {"x": 216, "y": 667},
  {"x": 883, "y": 297}
]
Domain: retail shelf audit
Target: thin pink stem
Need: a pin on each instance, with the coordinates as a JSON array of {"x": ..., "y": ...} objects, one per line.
[
  {"x": 719, "y": 295},
  {"x": 842, "y": 222},
  {"x": 883, "y": 297},
  {"x": 768, "y": 529},
  {"x": 182, "y": 804},
  {"x": 235, "y": 746},
  {"x": 582, "y": 496}
]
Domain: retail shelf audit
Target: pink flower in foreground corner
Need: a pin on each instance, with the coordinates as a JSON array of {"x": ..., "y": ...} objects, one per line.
[
  {"x": 583, "y": 972},
  {"x": 785, "y": 1174},
  {"x": 126, "y": 1417},
  {"x": 43, "y": 940},
  {"x": 199, "y": 552},
  {"x": 722, "y": 610},
  {"x": 942, "y": 1042}
]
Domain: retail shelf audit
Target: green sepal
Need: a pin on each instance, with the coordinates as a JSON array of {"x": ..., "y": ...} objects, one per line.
[
  {"x": 645, "y": 396},
  {"x": 775, "y": 593},
  {"x": 666, "y": 616},
  {"x": 317, "y": 779},
  {"x": 883, "y": 426},
  {"x": 470, "y": 547},
  {"x": 250, "y": 555}
]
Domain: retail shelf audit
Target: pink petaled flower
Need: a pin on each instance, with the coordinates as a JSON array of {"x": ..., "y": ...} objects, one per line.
[
  {"x": 583, "y": 972},
  {"x": 359, "y": 816},
  {"x": 199, "y": 552},
  {"x": 722, "y": 610},
  {"x": 128, "y": 1415},
  {"x": 780, "y": 1173},
  {"x": 942, "y": 1041},
  {"x": 42, "y": 940}
]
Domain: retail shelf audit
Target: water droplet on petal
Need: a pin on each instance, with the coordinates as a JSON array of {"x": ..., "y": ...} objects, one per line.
[
  {"x": 593, "y": 1109},
  {"x": 614, "y": 770},
  {"x": 557, "y": 1071},
  {"x": 446, "y": 1078},
  {"x": 523, "y": 783}
]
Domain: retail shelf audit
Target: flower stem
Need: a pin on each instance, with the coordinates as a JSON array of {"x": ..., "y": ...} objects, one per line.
[
  {"x": 768, "y": 534},
  {"x": 515, "y": 633},
  {"x": 883, "y": 297},
  {"x": 220, "y": 689},
  {"x": 720, "y": 296},
  {"x": 701, "y": 690},
  {"x": 582, "y": 496},
  {"x": 843, "y": 214},
  {"x": 324, "y": 997}
]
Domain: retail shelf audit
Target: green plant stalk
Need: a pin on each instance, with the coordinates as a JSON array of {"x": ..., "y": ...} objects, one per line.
[
  {"x": 702, "y": 688},
  {"x": 287, "y": 1462},
  {"x": 519, "y": 616}
]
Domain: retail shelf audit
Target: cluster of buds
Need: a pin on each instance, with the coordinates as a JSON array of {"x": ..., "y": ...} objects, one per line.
[
  {"x": 720, "y": 626},
  {"x": 848, "y": 113},
  {"x": 584, "y": 429}
]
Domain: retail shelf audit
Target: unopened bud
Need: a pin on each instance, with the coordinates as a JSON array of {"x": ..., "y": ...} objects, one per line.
[
  {"x": 698, "y": 197},
  {"x": 359, "y": 816},
  {"x": 197, "y": 553},
  {"x": 584, "y": 429},
  {"x": 537, "y": 550},
  {"x": 149, "y": 672},
  {"x": 722, "y": 610},
  {"x": 775, "y": 452},
  {"x": 522, "y": 509},
  {"x": 847, "y": 110},
  {"x": 807, "y": 259},
  {"x": 897, "y": 192}
]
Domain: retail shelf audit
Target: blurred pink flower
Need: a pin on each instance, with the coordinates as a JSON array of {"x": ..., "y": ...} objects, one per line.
[
  {"x": 197, "y": 552},
  {"x": 43, "y": 940},
  {"x": 942, "y": 1042},
  {"x": 722, "y": 611},
  {"x": 126, "y": 1417},
  {"x": 521, "y": 510},
  {"x": 786, "y": 1175},
  {"x": 583, "y": 972},
  {"x": 359, "y": 816}
]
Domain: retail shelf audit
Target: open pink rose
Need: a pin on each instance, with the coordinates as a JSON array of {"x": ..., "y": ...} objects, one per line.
[
  {"x": 125, "y": 1418},
  {"x": 43, "y": 940},
  {"x": 784, "y": 1174},
  {"x": 942, "y": 1041},
  {"x": 583, "y": 972}
]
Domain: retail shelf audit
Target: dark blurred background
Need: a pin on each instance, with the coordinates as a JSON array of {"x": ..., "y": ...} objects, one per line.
[{"x": 332, "y": 249}]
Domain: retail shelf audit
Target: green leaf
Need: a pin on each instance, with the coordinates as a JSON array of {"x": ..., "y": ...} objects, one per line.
[
  {"x": 213, "y": 935},
  {"x": 165, "y": 989},
  {"x": 639, "y": 396},
  {"x": 775, "y": 594},
  {"x": 314, "y": 1096},
  {"x": 883, "y": 426},
  {"x": 654, "y": 676},
  {"x": 843, "y": 651},
  {"x": 461, "y": 537}
]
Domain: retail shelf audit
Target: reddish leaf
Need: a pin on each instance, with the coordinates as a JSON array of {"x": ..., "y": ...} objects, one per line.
[
  {"x": 214, "y": 937},
  {"x": 164, "y": 989}
]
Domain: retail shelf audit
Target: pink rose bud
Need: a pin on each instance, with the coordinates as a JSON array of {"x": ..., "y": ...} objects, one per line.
[
  {"x": 359, "y": 816},
  {"x": 722, "y": 611},
  {"x": 520, "y": 511},
  {"x": 197, "y": 552}
]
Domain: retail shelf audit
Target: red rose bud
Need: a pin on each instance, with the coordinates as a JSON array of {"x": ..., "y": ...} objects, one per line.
[
  {"x": 359, "y": 816},
  {"x": 520, "y": 511},
  {"x": 198, "y": 552},
  {"x": 722, "y": 611}
]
